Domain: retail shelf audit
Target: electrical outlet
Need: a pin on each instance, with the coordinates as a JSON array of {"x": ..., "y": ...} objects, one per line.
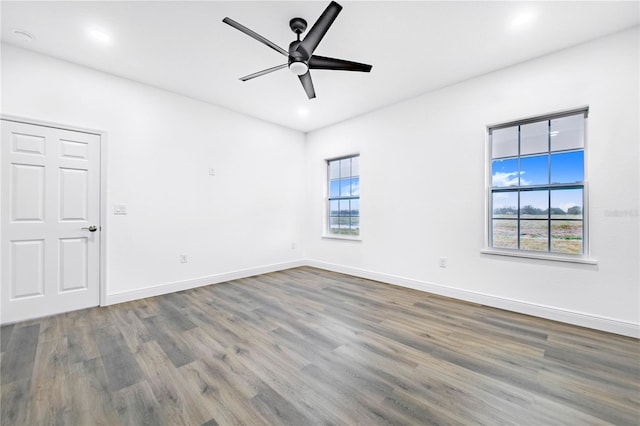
[
  {"x": 293, "y": 246},
  {"x": 442, "y": 262},
  {"x": 184, "y": 258}
]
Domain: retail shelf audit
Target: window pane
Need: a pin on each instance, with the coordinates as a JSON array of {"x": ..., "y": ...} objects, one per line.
[
  {"x": 345, "y": 187},
  {"x": 505, "y": 233},
  {"x": 566, "y": 236},
  {"x": 534, "y": 235},
  {"x": 344, "y": 225},
  {"x": 504, "y": 142},
  {"x": 567, "y": 167},
  {"x": 344, "y": 208},
  {"x": 355, "y": 225},
  {"x": 355, "y": 186},
  {"x": 567, "y": 132},
  {"x": 334, "y": 188},
  {"x": 534, "y": 138},
  {"x": 505, "y": 204},
  {"x": 345, "y": 167},
  {"x": 334, "y": 169},
  {"x": 534, "y": 204},
  {"x": 504, "y": 172},
  {"x": 355, "y": 207},
  {"x": 334, "y": 208},
  {"x": 334, "y": 225},
  {"x": 566, "y": 203},
  {"x": 534, "y": 170},
  {"x": 338, "y": 224},
  {"x": 355, "y": 166}
]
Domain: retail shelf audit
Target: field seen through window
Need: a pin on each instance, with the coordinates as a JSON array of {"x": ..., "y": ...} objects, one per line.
[{"x": 560, "y": 232}]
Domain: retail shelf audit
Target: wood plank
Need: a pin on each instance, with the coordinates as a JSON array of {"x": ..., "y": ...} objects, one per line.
[
  {"x": 132, "y": 328},
  {"x": 17, "y": 362},
  {"x": 225, "y": 404},
  {"x": 137, "y": 406},
  {"x": 5, "y": 334},
  {"x": 91, "y": 401},
  {"x": 276, "y": 409},
  {"x": 120, "y": 365},
  {"x": 49, "y": 387},
  {"x": 177, "y": 401},
  {"x": 14, "y": 402},
  {"x": 169, "y": 340},
  {"x": 81, "y": 343}
]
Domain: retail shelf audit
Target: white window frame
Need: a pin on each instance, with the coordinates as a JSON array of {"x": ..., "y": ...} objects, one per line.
[
  {"x": 541, "y": 255},
  {"x": 327, "y": 204}
]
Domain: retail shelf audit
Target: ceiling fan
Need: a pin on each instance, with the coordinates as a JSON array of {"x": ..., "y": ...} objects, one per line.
[{"x": 300, "y": 54}]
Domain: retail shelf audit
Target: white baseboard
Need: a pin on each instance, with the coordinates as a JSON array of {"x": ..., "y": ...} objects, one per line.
[
  {"x": 127, "y": 296},
  {"x": 570, "y": 317}
]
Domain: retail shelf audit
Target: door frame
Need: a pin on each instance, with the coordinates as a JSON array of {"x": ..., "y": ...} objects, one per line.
[{"x": 102, "y": 275}]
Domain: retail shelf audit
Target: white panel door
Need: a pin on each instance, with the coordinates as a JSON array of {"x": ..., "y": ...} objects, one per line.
[{"x": 50, "y": 209}]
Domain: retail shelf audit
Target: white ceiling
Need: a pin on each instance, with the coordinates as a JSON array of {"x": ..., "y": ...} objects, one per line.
[{"x": 414, "y": 47}]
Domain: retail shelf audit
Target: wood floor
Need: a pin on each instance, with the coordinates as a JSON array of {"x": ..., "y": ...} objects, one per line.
[{"x": 305, "y": 347}]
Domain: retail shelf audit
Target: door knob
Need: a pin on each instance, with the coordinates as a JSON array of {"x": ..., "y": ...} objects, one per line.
[{"x": 92, "y": 228}]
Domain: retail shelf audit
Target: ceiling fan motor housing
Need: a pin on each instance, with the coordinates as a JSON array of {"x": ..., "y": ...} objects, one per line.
[{"x": 298, "y": 63}]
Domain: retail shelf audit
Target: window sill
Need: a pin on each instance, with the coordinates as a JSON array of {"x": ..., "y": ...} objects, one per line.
[
  {"x": 341, "y": 237},
  {"x": 540, "y": 256}
]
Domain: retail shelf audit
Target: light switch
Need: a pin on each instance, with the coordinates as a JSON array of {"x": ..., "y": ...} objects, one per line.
[{"x": 120, "y": 209}]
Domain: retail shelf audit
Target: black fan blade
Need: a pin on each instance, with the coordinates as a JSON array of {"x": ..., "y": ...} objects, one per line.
[
  {"x": 255, "y": 35},
  {"x": 263, "y": 72},
  {"x": 305, "y": 79},
  {"x": 319, "y": 29},
  {"x": 323, "y": 63}
]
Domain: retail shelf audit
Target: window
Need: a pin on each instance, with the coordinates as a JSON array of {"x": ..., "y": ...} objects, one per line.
[
  {"x": 344, "y": 196},
  {"x": 537, "y": 189}
]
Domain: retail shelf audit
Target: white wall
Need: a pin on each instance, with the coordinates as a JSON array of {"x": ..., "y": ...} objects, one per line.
[
  {"x": 159, "y": 149},
  {"x": 423, "y": 194},
  {"x": 423, "y": 188}
]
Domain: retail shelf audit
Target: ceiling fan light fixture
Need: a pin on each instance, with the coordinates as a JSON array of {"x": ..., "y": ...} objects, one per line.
[{"x": 298, "y": 67}]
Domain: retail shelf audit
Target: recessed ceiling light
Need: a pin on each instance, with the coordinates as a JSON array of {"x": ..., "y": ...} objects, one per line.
[
  {"x": 21, "y": 35},
  {"x": 99, "y": 35},
  {"x": 522, "y": 19},
  {"x": 303, "y": 112}
]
